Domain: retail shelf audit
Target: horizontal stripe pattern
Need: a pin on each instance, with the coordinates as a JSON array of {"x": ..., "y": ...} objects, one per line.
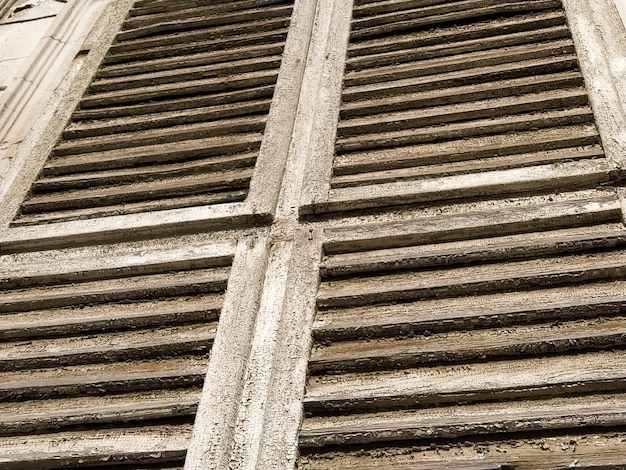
[
  {"x": 463, "y": 330},
  {"x": 174, "y": 116},
  {"x": 117, "y": 349}
]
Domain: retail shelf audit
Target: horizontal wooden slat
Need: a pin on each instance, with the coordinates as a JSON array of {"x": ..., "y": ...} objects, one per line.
[
  {"x": 130, "y": 445},
  {"x": 472, "y": 280},
  {"x": 531, "y": 377},
  {"x": 539, "y": 415},
  {"x": 465, "y": 167},
  {"x": 129, "y": 288},
  {"x": 481, "y": 28},
  {"x": 469, "y": 225},
  {"x": 467, "y": 346},
  {"x": 526, "y": 452},
  {"x": 582, "y": 174},
  {"x": 442, "y": 14},
  {"x": 460, "y": 62},
  {"x": 447, "y": 96},
  {"x": 484, "y": 250},
  {"x": 107, "y": 347},
  {"x": 100, "y": 379},
  {"x": 432, "y": 116},
  {"x": 462, "y": 150},
  {"x": 171, "y": 118},
  {"x": 465, "y": 313},
  {"x": 472, "y": 76},
  {"x": 186, "y": 185},
  {"x": 98, "y": 318},
  {"x": 54, "y": 414}
]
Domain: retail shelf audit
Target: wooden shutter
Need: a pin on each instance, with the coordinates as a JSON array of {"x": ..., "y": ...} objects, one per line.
[
  {"x": 105, "y": 363},
  {"x": 478, "y": 323},
  {"x": 174, "y": 117},
  {"x": 456, "y": 99}
]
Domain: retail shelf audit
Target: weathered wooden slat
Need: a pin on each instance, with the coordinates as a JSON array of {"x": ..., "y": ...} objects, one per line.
[
  {"x": 107, "y": 347},
  {"x": 101, "y": 379},
  {"x": 541, "y": 178},
  {"x": 222, "y": 148},
  {"x": 460, "y": 62},
  {"x": 219, "y": 21},
  {"x": 144, "y": 16},
  {"x": 526, "y": 452},
  {"x": 461, "y": 150},
  {"x": 220, "y": 102},
  {"x": 454, "y": 422},
  {"x": 120, "y": 289},
  {"x": 209, "y": 85},
  {"x": 143, "y": 173},
  {"x": 56, "y": 414},
  {"x": 222, "y": 127},
  {"x": 472, "y": 280},
  {"x": 208, "y": 33},
  {"x": 495, "y": 163},
  {"x": 188, "y": 60},
  {"x": 222, "y": 197},
  {"x": 468, "y": 346},
  {"x": 163, "y": 50},
  {"x": 145, "y": 445},
  {"x": 489, "y": 108},
  {"x": 472, "y": 76},
  {"x": 448, "y": 96},
  {"x": 172, "y": 118},
  {"x": 442, "y": 14},
  {"x": 485, "y": 311},
  {"x": 480, "y": 127},
  {"x": 511, "y": 379},
  {"x": 531, "y": 218},
  {"x": 462, "y": 32},
  {"x": 456, "y": 48},
  {"x": 177, "y": 75},
  {"x": 108, "y": 317},
  {"x": 140, "y": 191},
  {"x": 528, "y": 245}
]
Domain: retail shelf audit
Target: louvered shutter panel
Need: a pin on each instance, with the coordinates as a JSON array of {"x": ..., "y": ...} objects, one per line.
[
  {"x": 435, "y": 91},
  {"x": 104, "y": 364},
  {"x": 487, "y": 337},
  {"x": 174, "y": 117}
]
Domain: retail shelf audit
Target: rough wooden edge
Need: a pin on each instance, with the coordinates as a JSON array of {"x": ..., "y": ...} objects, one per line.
[
  {"x": 322, "y": 83},
  {"x": 214, "y": 428},
  {"x": 270, "y": 166},
  {"x": 269, "y": 421},
  {"x": 600, "y": 41},
  {"x": 66, "y": 58}
]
